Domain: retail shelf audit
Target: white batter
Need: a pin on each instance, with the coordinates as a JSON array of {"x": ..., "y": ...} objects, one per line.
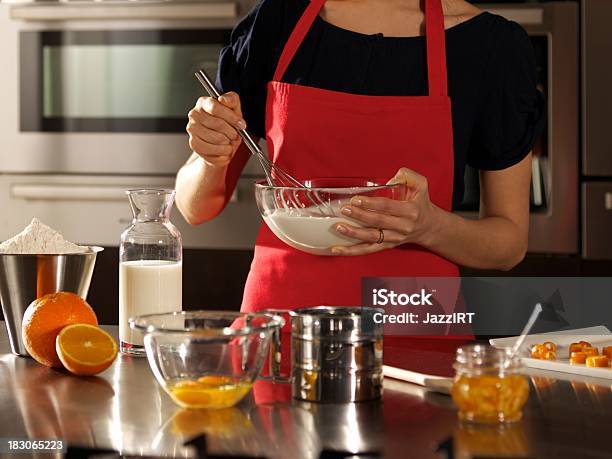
[{"x": 310, "y": 234}]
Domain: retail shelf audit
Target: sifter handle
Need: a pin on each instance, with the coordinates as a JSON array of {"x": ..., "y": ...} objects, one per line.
[{"x": 275, "y": 354}]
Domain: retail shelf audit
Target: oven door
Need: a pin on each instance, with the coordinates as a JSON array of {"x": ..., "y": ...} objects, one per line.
[
  {"x": 104, "y": 88},
  {"x": 113, "y": 80}
]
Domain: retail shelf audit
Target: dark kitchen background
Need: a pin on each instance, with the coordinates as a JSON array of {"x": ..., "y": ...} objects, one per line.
[{"x": 68, "y": 162}]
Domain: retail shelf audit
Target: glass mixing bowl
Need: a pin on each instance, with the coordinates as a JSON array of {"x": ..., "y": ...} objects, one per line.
[
  {"x": 207, "y": 359},
  {"x": 304, "y": 218}
]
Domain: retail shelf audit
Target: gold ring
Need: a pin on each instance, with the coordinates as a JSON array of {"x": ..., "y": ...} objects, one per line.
[{"x": 381, "y": 236}]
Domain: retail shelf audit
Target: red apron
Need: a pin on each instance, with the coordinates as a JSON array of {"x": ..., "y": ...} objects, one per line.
[{"x": 316, "y": 133}]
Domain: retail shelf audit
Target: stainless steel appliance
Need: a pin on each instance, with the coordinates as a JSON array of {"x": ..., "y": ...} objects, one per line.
[
  {"x": 554, "y": 31},
  {"x": 596, "y": 43},
  {"x": 94, "y": 101}
]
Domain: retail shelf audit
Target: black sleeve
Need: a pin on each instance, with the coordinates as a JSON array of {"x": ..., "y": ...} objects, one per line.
[
  {"x": 512, "y": 111},
  {"x": 247, "y": 63}
]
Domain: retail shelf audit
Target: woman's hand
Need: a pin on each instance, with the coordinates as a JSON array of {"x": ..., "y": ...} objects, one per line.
[
  {"x": 212, "y": 128},
  {"x": 412, "y": 220}
]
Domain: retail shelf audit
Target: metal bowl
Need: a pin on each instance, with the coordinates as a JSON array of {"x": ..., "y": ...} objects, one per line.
[
  {"x": 304, "y": 218},
  {"x": 23, "y": 278}
]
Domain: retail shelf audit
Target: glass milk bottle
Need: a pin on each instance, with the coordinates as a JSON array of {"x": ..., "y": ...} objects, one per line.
[{"x": 150, "y": 264}]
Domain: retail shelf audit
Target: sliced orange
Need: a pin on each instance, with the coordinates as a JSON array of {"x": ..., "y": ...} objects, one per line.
[{"x": 85, "y": 349}]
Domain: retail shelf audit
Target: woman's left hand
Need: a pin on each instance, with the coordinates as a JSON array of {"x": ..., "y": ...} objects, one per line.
[{"x": 412, "y": 220}]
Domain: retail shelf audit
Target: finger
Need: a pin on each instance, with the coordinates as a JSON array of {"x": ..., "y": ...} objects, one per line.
[
  {"x": 232, "y": 100},
  {"x": 218, "y": 110},
  {"x": 214, "y": 123},
  {"x": 207, "y": 150},
  {"x": 404, "y": 209},
  {"x": 374, "y": 219},
  {"x": 210, "y": 136},
  {"x": 360, "y": 249},
  {"x": 369, "y": 234},
  {"x": 410, "y": 178}
]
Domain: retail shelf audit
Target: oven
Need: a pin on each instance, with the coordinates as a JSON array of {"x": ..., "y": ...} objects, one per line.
[
  {"x": 95, "y": 98},
  {"x": 554, "y": 221}
]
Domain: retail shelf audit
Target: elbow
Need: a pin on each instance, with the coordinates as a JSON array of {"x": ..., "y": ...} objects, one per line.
[
  {"x": 514, "y": 258},
  {"x": 195, "y": 216},
  {"x": 186, "y": 210},
  {"x": 191, "y": 219},
  {"x": 188, "y": 216}
]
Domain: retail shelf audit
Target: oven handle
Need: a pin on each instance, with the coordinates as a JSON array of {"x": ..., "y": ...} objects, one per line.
[
  {"x": 49, "y": 192},
  {"x": 54, "y": 12}
]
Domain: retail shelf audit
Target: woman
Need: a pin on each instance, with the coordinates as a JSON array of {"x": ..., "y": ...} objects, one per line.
[{"x": 360, "y": 88}]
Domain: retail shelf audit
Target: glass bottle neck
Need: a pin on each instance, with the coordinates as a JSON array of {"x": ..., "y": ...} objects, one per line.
[
  {"x": 145, "y": 218},
  {"x": 150, "y": 205}
]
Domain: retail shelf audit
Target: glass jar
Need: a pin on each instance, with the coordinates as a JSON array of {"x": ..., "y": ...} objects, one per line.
[
  {"x": 489, "y": 387},
  {"x": 150, "y": 264}
]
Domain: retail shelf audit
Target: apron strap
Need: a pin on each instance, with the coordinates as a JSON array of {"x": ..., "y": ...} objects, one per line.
[
  {"x": 434, "y": 32},
  {"x": 297, "y": 36},
  {"x": 436, "y": 48}
]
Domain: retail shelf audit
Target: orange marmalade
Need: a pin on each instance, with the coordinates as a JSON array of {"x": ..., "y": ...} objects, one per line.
[{"x": 488, "y": 386}]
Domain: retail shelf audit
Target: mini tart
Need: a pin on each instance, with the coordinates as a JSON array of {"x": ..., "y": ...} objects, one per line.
[
  {"x": 575, "y": 347},
  {"x": 597, "y": 361},
  {"x": 590, "y": 351},
  {"x": 578, "y": 358}
]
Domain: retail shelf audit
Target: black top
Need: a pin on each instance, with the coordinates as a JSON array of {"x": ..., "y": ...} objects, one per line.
[{"x": 497, "y": 111}]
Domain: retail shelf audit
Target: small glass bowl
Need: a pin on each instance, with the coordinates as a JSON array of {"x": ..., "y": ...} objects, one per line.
[
  {"x": 207, "y": 359},
  {"x": 489, "y": 387},
  {"x": 304, "y": 218}
]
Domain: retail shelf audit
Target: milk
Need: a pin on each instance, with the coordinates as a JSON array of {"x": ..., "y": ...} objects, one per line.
[
  {"x": 312, "y": 234},
  {"x": 147, "y": 287}
]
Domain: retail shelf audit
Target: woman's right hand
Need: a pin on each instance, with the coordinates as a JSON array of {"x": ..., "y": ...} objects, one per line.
[{"x": 212, "y": 128}]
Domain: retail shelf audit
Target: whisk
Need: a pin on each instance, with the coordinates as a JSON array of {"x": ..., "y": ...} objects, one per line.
[{"x": 275, "y": 175}]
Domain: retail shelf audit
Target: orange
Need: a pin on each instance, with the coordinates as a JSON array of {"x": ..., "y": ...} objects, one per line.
[
  {"x": 45, "y": 317},
  {"x": 85, "y": 349}
]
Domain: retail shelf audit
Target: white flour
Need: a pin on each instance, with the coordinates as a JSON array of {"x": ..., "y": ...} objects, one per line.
[{"x": 38, "y": 238}]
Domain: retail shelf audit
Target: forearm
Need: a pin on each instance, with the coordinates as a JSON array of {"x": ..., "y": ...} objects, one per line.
[
  {"x": 200, "y": 190},
  {"x": 488, "y": 243}
]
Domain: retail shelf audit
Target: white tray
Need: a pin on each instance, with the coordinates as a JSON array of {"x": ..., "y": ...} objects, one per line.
[{"x": 598, "y": 336}]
